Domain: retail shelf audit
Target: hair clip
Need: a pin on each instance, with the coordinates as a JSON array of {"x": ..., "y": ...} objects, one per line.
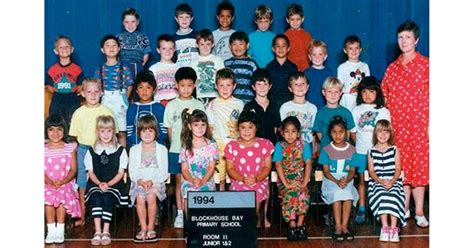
[{"x": 190, "y": 111}]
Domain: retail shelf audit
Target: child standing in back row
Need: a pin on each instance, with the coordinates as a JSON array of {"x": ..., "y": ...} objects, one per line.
[
  {"x": 105, "y": 162},
  {"x": 134, "y": 45},
  {"x": 225, "y": 17},
  {"x": 185, "y": 36},
  {"x": 292, "y": 159},
  {"x": 370, "y": 108},
  {"x": 261, "y": 50},
  {"x": 352, "y": 71},
  {"x": 117, "y": 82},
  {"x": 299, "y": 38}
]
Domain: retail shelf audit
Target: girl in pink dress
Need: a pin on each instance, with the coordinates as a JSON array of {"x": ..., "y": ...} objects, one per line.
[
  {"x": 60, "y": 194},
  {"x": 249, "y": 160}
]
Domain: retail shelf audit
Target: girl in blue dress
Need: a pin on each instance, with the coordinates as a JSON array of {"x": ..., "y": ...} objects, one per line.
[{"x": 338, "y": 185}]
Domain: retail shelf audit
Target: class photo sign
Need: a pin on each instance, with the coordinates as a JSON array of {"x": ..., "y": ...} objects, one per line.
[{"x": 221, "y": 219}]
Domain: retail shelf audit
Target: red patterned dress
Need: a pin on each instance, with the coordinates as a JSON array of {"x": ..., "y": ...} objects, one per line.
[{"x": 406, "y": 90}]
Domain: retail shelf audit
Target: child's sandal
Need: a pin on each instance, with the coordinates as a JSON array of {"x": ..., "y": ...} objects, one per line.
[
  {"x": 151, "y": 237},
  {"x": 105, "y": 239},
  {"x": 96, "y": 239},
  {"x": 140, "y": 237}
]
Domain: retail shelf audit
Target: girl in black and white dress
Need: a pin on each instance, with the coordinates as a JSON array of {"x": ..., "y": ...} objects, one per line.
[{"x": 386, "y": 195}]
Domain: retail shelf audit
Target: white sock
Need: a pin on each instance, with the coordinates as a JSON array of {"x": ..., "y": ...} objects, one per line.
[
  {"x": 180, "y": 212},
  {"x": 60, "y": 226},
  {"x": 51, "y": 227}
]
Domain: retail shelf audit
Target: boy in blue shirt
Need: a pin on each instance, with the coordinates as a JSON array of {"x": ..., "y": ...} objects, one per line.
[
  {"x": 145, "y": 86},
  {"x": 242, "y": 66},
  {"x": 317, "y": 73},
  {"x": 260, "y": 40}
]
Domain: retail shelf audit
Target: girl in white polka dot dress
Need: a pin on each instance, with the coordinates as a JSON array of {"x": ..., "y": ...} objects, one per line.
[
  {"x": 60, "y": 193},
  {"x": 249, "y": 160}
]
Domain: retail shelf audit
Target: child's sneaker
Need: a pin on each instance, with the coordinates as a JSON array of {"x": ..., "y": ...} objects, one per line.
[
  {"x": 385, "y": 233},
  {"x": 179, "y": 221},
  {"x": 394, "y": 234},
  {"x": 360, "y": 217}
]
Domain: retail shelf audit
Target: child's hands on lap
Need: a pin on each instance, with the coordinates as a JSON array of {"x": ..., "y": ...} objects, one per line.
[
  {"x": 103, "y": 186},
  {"x": 250, "y": 180},
  {"x": 342, "y": 182},
  {"x": 197, "y": 182},
  {"x": 57, "y": 183}
]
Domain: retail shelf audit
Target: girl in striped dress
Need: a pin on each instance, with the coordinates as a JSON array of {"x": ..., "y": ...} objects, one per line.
[{"x": 386, "y": 195}]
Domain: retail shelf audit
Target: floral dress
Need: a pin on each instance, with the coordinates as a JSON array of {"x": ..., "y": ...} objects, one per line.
[
  {"x": 292, "y": 157},
  {"x": 406, "y": 90},
  {"x": 198, "y": 167},
  {"x": 57, "y": 164},
  {"x": 248, "y": 161}
]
